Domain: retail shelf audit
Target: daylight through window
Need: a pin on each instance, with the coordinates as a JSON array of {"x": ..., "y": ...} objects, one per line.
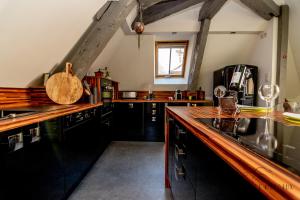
[{"x": 170, "y": 58}]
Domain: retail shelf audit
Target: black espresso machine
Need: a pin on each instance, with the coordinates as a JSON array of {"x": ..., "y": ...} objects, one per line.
[{"x": 248, "y": 94}]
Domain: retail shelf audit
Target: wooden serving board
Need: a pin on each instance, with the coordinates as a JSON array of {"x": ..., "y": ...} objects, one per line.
[{"x": 64, "y": 87}]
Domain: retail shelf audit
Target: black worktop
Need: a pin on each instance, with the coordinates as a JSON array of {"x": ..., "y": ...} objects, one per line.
[{"x": 245, "y": 132}]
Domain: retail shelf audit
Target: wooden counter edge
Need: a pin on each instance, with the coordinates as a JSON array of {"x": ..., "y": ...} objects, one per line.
[
  {"x": 269, "y": 178},
  {"x": 43, "y": 116}
]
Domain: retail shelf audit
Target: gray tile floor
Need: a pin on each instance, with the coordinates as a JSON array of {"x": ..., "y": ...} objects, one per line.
[{"x": 126, "y": 171}]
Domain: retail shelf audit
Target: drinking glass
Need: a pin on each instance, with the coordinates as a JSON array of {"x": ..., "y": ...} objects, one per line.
[
  {"x": 268, "y": 92},
  {"x": 266, "y": 140}
]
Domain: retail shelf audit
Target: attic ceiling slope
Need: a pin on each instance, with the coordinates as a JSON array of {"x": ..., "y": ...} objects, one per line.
[
  {"x": 106, "y": 22},
  {"x": 267, "y": 9}
]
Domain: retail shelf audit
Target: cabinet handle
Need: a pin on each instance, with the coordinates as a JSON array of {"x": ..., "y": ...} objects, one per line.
[
  {"x": 130, "y": 105},
  {"x": 178, "y": 152},
  {"x": 153, "y": 112},
  {"x": 154, "y": 119},
  {"x": 179, "y": 172},
  {"x": 153, "y": 105}
]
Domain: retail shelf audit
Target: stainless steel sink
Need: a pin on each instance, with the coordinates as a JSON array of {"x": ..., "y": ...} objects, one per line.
[{"x": 10, "y": 114}]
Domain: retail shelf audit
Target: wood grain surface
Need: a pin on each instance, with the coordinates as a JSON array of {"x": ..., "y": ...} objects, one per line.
[
  {"x": 64, "y": 87},
  {"x": 269, "y": 178},
  {"x": 44, "y": 112},
  {"x": 207, "y": 102}
]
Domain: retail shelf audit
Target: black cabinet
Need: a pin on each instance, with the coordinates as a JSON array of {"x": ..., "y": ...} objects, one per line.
[
  {"x": 48, "y": 160},
  {"x": 82, "y": 146},
  {"x": 128, "y": 121},
  {"x": 12, "y": 176},
  {"x": 154, "y": 122},
  {"x": 43, "y": 162},
  {"x": 196, "y": 172}
]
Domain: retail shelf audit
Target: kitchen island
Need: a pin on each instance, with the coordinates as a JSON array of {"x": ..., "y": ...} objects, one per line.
[{"x": 272, "y": 176}]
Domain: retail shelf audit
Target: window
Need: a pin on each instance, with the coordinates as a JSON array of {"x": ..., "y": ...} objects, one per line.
[{"x": 170, "y": 58}]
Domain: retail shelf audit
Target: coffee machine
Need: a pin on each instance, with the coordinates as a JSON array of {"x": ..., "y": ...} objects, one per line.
[
  {"x": 248, "y": 94},
  {"x": 178, "y": 95}
]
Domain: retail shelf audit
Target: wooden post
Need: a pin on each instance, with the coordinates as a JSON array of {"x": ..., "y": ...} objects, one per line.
[
  {"x": 198, "y": 53},
  {"x": 282, "y": 48}
]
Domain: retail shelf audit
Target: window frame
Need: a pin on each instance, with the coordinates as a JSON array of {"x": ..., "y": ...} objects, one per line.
[{"x": 185, "y": 43}]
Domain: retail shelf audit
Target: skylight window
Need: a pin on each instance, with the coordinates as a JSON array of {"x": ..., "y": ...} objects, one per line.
[{"x": 170, "y": 57}]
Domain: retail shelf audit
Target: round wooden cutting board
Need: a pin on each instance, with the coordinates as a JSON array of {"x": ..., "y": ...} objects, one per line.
[{"x": 64, "y": 87}]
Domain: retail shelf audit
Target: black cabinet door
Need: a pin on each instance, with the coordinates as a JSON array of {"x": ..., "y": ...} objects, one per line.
[
  {"x": 128, "y": 121},
  {"x": 43, "y": 165},
  {"x": 12, "y": 176},
  {"x": 217, "y": 180},
  {"x": 154, "y": 122},
  {"x": 80, "y": 152}
]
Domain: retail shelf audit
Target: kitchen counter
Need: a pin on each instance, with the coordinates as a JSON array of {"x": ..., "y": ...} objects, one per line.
[
  {"x": 42, "y": 113},
  {"x": 275, "y": 180},
  {"x": 160, "y": 101}
]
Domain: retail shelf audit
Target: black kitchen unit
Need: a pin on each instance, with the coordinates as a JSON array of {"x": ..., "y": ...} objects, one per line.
[
  {"x": 49, "y": 159},
  {"x": 128, "y": 121},
  {"x": 196, "y": 172},
  {"x": 138, "y": 121}
]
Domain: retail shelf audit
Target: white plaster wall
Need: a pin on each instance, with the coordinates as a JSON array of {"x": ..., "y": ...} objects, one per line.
[
  {"x": 293, "y": 78},
  {"x": 35, "y": 35},
  {"x": 223, "y": 50},
  {"x": 264, "y": 54}
]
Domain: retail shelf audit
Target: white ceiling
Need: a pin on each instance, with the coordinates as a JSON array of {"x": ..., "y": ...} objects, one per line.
[{"x": 233, "y": 16}]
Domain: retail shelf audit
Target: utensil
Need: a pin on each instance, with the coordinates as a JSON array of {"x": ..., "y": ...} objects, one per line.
[{"x": 64, "y": 87}]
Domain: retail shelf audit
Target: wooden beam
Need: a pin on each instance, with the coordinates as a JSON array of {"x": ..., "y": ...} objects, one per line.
[
  {"x": 267, "y": 9},
  {"x": 106, "y": 22},
  {"x": 149, "y": 3},
  {"x": 198, "y": 54},
  {"x": 282, "y": 48},
  {"x": 210, "y": 9},
  {"x": 164, "y": 9}
]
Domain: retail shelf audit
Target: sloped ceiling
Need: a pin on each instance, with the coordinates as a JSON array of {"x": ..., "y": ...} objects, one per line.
[
  {"x": 35, "y": 35},
  {"x": 233, "y": 16}
]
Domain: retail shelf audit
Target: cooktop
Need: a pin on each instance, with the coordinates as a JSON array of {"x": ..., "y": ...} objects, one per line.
[{"x": 268, "y": 138}]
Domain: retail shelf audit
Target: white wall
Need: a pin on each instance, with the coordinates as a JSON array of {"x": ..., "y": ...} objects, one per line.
[
  {"x": 133, "y": 67},
  {"x": 222, "y": 50},
  {"x": 35, "y": 35},
  {"x": 265, "y": 54}
]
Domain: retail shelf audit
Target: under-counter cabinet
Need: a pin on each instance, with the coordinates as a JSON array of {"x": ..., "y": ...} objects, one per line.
[
  {"x": 196, "y": 172},
  {"x": 139, "y": 121},
  {"x": 128, "y": 121},
  {"x": 48, "y": 160}
]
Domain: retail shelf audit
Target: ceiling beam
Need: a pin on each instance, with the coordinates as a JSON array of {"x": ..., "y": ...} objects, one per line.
[
  {"x": 267, "y": 9},
  {"x": 210, "y": 9},
  {"x": 149, "y": 3},
  {"x": 207, "y": 12},
  {"x": 164, "y": 9},
  {"x": 106, "y": 22},
  {"x": 282, "y": 48},
  {"x": 198, "y": 53}
]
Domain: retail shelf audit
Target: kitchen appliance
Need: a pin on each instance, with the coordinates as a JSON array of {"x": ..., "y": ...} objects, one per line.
[
  {"x": 129, "y": 95},
  {"x": 247, "y": 95},
  {"x": 178, "y": 95}
]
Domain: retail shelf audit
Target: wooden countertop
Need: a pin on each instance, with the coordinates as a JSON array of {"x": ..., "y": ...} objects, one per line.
[
  {"x": 160, "y": 101},
  {"x": 271, "y": 179},
  {"x": 42, "y": 113}
]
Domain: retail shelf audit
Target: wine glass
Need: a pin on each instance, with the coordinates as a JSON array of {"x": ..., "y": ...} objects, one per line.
[
  {"x": 268, "y": 92},
  {"x": 266, "y": 140}
]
